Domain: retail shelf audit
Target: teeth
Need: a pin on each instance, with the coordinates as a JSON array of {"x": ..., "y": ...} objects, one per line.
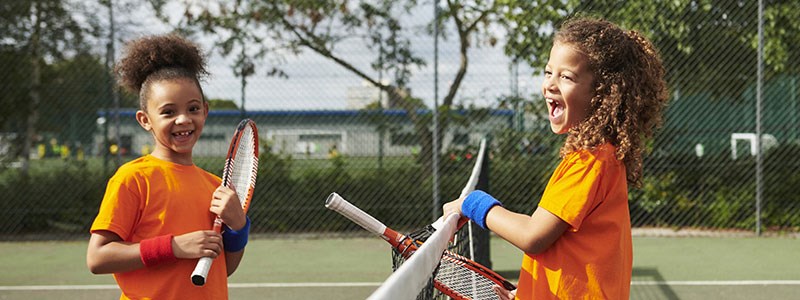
[{"x": 185, "y": 133}]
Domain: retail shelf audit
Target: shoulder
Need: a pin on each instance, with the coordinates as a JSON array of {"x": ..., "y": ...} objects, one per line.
[
  {"x": 604, "y": 154},
  {"x": 134, "y": 168},
  {"x": 146, "y": 167},
  {"x": 601, "y": 160}
]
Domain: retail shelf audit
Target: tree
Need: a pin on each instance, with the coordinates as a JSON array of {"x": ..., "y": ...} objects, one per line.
[
  {"x": 13, "y": 92},
  {"x": 707, "y": 46},
  {"x": 43, "y": 31},
  {"x": 289, "y": 27},
  {"x": 222, "y": 104},
  {"x": 71, "y": 102}
]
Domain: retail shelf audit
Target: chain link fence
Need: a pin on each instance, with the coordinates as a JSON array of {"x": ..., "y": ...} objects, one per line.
[{"x": 726, "y": 160}]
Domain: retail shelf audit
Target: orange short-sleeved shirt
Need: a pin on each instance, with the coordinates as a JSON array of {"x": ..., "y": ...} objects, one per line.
[
  {"x": 593, "y": 259},
  {"x": 149, "y": 197}
]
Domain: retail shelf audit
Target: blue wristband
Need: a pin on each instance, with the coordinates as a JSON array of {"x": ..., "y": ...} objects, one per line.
[
  {"x": 235, "y": 240},
  {"x": 477, "y": 205}
]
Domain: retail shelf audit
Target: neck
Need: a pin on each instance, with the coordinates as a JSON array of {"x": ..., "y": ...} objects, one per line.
[{"x": 173, "y": 157}]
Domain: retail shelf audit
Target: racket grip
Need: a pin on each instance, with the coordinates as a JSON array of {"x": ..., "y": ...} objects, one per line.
[
  {"x": 201, "y": 271},
  {"x": 358, "y": 216}
]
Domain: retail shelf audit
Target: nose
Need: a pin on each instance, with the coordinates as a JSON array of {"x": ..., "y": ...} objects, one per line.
[
  {"x": 183, "y": 119},
  {"x": 549, "y": 84}
]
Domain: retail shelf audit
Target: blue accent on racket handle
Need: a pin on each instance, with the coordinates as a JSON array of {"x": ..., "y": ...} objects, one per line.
[
  {"x": 236, "y": 240},
  {"x": 477, "y": 205}
]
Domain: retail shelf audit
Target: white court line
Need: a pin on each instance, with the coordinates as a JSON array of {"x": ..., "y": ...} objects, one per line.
[
  {"x": 367, "y": 284},
  {"x": 230, "y": 285},
  {"x": 719, "y": 282}
]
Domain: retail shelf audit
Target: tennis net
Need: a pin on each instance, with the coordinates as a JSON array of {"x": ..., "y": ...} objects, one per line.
[{"x": 414, "y": 277}]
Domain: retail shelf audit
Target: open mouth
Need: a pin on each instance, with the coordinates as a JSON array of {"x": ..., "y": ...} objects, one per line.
[
  {"x": 556, "y": 108},
  {"x": 182, "y": 134}
]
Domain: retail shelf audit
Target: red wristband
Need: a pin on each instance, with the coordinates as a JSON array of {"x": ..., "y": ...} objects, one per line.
[{"x": 157, "y": 250}]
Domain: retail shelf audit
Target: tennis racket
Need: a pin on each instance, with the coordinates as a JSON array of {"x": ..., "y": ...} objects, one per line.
[
  {"x": 457, "y": 277},
  {"x": 239, "y": 174}
]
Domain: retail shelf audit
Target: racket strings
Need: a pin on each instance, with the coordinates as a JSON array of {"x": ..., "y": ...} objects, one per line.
[
  {"x": 453, "y": 275},
  {"x": 244, "y": 166}
]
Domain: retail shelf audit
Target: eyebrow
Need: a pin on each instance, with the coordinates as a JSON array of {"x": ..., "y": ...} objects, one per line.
[{"x": 169, "y": 104}]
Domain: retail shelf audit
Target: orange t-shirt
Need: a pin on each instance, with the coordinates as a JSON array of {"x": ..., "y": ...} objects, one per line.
[
  {"x": 593, "y": 259},
  {"x": 149, "y": 197}
]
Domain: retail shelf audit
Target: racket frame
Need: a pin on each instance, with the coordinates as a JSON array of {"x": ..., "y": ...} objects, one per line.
[
  {"x": 407, "y": 246},
  {"x": 200, "y": 272}
]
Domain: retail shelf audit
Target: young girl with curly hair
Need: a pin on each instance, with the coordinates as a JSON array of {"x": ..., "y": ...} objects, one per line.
[
  {"x": 155, "y": 218},
  {"x": 604, "y": 88}
]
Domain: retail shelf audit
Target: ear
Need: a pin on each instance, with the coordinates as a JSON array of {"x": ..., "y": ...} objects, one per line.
[
  {"x": 205, "y": 108},
  {"x": 143, "y": 120}
]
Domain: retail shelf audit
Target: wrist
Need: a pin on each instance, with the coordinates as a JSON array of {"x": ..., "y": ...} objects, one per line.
[
  {"x": 476, "y": 207},
  {"x": 236, "y": 240},
  {"x": 156, "y": 251},
  {"x": 239, "y": 226}
]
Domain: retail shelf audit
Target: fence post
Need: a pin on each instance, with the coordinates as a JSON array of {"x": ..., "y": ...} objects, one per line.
[{"x": 480, "y": 237}]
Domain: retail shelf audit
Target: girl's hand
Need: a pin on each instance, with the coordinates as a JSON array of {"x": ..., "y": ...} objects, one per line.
[
  {"x": 503, "y": 293},
  {"x": 452, "y": 207},
  {"x": 203, "y": 243},
  {"x": 225, "y": 203}
]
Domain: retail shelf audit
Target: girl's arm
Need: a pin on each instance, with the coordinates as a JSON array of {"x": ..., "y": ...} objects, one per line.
[
  {"x": 530, "y": 233},
  {"x": 232, "y": 260},
  {"x": 108, "y": 253}
]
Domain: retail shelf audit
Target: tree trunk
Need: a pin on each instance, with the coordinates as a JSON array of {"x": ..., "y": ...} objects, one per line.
[{"x": 35, "y": 94}]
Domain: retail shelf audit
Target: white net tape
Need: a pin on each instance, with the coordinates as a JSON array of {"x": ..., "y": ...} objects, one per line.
[{"x": 414, "y": 274}]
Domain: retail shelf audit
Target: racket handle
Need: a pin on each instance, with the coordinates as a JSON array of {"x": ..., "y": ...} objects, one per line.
[
  {"x": 358, "y": 216},
  {"x": 204, "y": 263},
  {"x": 201, "y": 271}
]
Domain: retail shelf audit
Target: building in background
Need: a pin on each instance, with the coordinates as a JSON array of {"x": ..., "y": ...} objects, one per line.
[{"x": 309, "y": 134}]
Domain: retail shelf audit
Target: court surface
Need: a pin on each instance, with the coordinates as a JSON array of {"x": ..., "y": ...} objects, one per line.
[{"x": 331, "y": 269}]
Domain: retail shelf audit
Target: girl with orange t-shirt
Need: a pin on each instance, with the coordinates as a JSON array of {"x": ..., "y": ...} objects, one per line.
[
  {"x": 155, "y": 218},
  {"x": 604, "y": 88}
]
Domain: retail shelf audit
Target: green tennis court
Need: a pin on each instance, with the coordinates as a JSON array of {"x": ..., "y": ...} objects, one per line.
[{"x": 664, "y": 268}]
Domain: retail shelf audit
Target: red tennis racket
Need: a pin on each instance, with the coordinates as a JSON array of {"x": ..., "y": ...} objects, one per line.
[
  {"x": 457, "y": 277},
  {"x": 239, "y": 174}
]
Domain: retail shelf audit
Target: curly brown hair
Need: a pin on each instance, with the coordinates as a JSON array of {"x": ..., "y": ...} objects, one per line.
[
  {"x": 156, "y": 58},
  {"x": 630, "y": 90}
]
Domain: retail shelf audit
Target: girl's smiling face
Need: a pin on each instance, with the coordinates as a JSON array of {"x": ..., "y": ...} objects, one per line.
[
  {"x": 568, "y": 87},
  {"x": 175, "y": 115}
]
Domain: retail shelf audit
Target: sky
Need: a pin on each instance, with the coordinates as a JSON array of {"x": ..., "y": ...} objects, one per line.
[{"x": 316, "y": 83}]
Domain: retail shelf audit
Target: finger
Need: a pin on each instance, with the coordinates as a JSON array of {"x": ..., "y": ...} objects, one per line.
[
  {"x": 501, "y": 292},
  {"x": 210, "y": 253},
  {"x": 212, "y": 233},
  {"x": 224, "y": 190}
]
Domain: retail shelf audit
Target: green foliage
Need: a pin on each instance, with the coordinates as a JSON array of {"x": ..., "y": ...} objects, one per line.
[
  {"x": 64, "y": 201},
  {"x": 689, "y": 192},
  {"x": 726, "y": 31},
  {"x": 717, "y": 192},
  {"x": 221, "y": 104}
]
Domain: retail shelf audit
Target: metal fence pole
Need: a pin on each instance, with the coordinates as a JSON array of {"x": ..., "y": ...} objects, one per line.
[
  {"x": 435, "y": 148},
  {"x": 759, "y": 95}
]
